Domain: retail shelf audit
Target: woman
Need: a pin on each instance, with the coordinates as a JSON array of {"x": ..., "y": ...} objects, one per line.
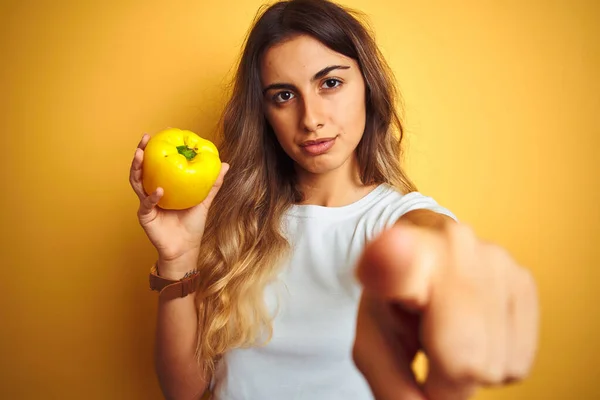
[{"x": 316, "y": 190}]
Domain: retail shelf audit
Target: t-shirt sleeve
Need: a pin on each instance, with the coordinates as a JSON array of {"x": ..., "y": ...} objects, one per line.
[{"x": 401, "y": 204}]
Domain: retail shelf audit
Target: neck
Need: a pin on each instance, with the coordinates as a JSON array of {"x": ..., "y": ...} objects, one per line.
[{"x": 336, "y": 188}]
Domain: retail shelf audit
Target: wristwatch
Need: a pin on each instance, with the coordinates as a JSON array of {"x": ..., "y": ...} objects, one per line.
[{"x": 171, "y": 289}]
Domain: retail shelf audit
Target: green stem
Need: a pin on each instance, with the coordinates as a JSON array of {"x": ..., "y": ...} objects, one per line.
[{"x": 185, "y": 151}]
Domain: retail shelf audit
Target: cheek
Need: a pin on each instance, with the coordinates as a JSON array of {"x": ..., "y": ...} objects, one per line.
[
  {"x": 282, "y": 124},
  {"x": 350, "y": 114}
]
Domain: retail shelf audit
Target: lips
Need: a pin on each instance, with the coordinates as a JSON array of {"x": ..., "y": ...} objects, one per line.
[
  {"x": 318, "y": 146},
  {"x": 318, "y": 141}
]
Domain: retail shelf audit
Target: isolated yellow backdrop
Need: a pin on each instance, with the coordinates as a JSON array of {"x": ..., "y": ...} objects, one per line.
[{"x": 501, "y": 100}]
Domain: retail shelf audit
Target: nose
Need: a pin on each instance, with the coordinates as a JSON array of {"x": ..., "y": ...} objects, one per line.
[{"x": 313, "y": 118}]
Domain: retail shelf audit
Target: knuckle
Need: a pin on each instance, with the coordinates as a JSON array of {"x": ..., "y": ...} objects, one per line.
[
  {"x": 518, "y": 372},
  {"x": 500, "y": 253},
  {"x": 461, "y": 230},
  {"x": 524, "y": 286},
  {"x": 498, "y": 258},
  {"x": 493, "y": 375},
  {"x": 528, "y": 281},
  {"x": 465, "y": 358},
  {"x": 465, "y": 370},
  {"x": 472, "y": 370},
  {"x": 461, "y": 236}
]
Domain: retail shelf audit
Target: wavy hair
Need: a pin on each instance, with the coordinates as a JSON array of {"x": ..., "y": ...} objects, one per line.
[{"x": 243, "y": 246}]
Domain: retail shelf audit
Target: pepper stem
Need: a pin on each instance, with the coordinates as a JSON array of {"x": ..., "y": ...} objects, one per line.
[{"x": 185, "y": 151}]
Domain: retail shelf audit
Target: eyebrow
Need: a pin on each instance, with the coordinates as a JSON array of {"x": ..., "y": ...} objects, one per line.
[{"x": 322, "y": 73}]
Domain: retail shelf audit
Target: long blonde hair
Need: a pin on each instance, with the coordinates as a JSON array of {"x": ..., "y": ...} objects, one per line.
[{"x": 243, "y": 246}]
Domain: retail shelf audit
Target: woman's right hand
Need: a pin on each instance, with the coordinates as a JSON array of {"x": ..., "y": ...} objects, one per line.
[{"x": 176, "y": 234}]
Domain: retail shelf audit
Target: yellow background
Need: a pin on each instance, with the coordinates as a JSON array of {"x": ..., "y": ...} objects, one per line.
[{"x": 502, "y": 101}]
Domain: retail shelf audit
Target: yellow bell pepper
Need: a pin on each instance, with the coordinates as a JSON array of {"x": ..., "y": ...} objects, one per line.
[{"x": 185, "y": 165}]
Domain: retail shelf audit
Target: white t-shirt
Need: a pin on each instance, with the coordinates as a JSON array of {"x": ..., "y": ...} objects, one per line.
[{"x": 310, "y": 353}]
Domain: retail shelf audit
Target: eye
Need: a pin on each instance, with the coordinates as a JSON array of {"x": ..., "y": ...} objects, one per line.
[
  {"x": 331, "y": 83},
  {"x": 282, "y": 97}
]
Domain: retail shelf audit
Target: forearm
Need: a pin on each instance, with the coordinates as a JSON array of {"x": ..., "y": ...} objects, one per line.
[{"x": 179, "y": 374}]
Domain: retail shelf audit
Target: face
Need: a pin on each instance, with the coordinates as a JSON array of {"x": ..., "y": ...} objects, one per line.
[{"x": 315, "y": 103}]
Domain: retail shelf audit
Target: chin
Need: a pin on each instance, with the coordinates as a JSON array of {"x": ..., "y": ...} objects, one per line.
[{"x": 321, "y": 165}]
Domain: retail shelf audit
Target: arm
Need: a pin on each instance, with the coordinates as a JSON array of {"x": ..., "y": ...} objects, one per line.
[{"x": 179, "y": 375}]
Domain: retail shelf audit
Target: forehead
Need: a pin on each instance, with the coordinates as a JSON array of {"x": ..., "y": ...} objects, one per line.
[{"x": 298, "y": 58}]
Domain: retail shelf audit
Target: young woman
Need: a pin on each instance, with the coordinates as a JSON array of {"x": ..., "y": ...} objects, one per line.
[{"x": 317, "y": 270}]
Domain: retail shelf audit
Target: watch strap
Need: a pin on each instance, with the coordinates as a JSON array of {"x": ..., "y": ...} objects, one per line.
[{"x": 171, "y": 289}]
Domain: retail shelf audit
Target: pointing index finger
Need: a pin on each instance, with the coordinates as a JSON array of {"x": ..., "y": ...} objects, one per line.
[{"x": 401, "y": 263}]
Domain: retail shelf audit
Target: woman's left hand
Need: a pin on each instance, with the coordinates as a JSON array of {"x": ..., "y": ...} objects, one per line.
[{"x": 464, "y": 302}]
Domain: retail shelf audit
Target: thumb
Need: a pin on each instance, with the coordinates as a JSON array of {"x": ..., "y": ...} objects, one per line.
[
  {"x": 217, "y": 186},
  {"x": 381, "y": 355},
  {"x": 400, "y": 265}
]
